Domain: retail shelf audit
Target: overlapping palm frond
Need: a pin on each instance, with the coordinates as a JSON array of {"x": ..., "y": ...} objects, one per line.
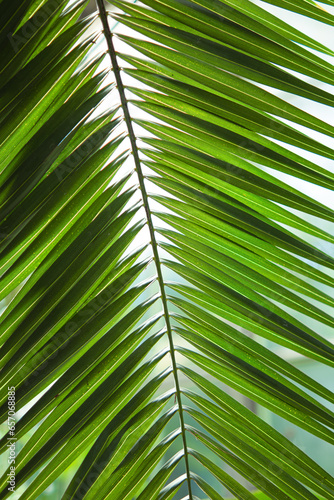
[{"x": 157, "y": 246}]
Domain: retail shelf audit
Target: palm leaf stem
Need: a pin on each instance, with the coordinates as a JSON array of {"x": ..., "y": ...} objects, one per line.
[{"x": 127, "y": 118}]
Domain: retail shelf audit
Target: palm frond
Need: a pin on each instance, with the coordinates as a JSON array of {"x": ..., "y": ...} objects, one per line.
[{"x": 160, "y": 257}]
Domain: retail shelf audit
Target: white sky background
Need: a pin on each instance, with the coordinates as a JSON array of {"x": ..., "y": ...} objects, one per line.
[{"x": 325, "y": 35}]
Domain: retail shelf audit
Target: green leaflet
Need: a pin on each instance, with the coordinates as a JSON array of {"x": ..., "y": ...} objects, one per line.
[
  {"x": 117, "y": 439},
  {"x": 239, "y": 376},
  {"x": 93, "y": 411},
  {"x": 79, "y": 368}
]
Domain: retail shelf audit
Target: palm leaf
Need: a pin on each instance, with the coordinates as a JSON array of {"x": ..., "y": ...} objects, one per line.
[{"x": 161, "y": 261}]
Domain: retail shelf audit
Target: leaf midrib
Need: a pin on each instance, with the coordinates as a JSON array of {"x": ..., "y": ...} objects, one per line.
[{"x": 128, "y": 121}]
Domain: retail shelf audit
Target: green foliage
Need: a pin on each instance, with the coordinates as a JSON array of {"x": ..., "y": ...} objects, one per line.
[{"x": 157, "y": 247}]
